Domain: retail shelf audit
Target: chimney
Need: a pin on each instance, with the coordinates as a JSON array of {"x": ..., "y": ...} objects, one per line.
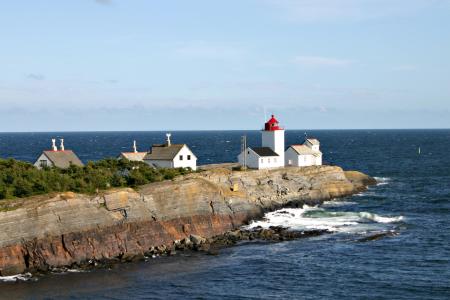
[
  {"x": 62, "y": 144},
  {"x": 134, "y": 147},
  {"x": 168, "y": 135},
  {"x": 54, "y": 145}
]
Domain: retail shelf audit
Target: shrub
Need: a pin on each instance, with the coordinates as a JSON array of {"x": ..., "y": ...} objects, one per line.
[{"x": 20, "y": 179}]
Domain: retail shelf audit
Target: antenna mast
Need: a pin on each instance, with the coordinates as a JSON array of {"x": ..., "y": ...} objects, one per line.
[
  {"x": 265, "y": 114},
  {"x": 244, "y": 151}
]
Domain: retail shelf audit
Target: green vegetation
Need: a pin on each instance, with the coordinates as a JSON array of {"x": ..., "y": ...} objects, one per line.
[{"x": 20, "y": 179}]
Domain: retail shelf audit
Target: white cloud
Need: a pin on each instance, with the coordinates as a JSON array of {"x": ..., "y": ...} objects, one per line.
[
  {"x": 348, "y": 10},
  {"x": 35, "y": 76},
  {"x": 320, "y": 61},
  {"x": 104, "y": 2}
]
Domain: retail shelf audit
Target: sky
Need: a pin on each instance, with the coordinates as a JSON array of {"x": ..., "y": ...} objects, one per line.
[{"x": 109, "y": 65}]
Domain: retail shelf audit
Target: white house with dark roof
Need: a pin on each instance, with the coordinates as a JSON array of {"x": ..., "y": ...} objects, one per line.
[
  {"x": 135, "y": 155},
  {"x": 271, "y": 154},
  {"x": 61, "y": 158},
  {"x": 170, "y": 155},
  {"x": 261, "y": 158},
  {"x": 306, "y": 154}
]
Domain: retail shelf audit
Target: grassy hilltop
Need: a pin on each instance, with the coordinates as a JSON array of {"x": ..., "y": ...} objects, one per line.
[{"x": 20, "y": 179}]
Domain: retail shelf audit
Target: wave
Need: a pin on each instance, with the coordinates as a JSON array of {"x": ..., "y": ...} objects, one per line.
[
  {"x": 337, "y": 203},
  {"x": 15, "y": 278},
  {"x": 380, "y": 219},
  {"x": 313, "y": 218},
  {"x": 382, "y": 180},
  {"x": 75, "y": 271}
]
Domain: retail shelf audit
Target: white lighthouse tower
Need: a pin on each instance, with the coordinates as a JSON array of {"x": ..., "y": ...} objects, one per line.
[
  {"x": 271, "y": 153},
  {"x": 273, "y": 137}
]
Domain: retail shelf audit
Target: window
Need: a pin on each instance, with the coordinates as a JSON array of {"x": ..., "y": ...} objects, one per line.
[
  {"x": 43, "y": 163},
  {"x": 275, "y": 159},
  {"x": 181, "y": 157},
  {"x": 290, "y": 162},
  {"x": 262, "y": 160},
  {"x": 188, "y": 157},
  {"x": 268, "y": 160}
]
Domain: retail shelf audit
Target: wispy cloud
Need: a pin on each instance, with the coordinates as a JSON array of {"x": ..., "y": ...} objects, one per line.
[
  {"x": 348, "y": 10},
  {"x": 35, "y": 76},
  {"x": 205, "y": 50},
  {"x": 104, "y": 2},
  {"x": 320, "y": 61}
]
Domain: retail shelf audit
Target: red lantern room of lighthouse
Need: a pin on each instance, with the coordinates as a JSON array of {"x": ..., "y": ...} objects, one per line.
[
  {"x": 273, "y": 137},
  {"x": 272, "y": 124}
]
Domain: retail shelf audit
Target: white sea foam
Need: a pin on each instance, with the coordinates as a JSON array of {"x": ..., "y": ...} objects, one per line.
[
  {"x": 337, "y": 203},
  {"x": 15, "y": 278},
  {"x": 75, "y": 271},
  {"x": 380, "y": 219},
  {"x": 310, "y": 218},
  {"x": 382, "y": 180}
]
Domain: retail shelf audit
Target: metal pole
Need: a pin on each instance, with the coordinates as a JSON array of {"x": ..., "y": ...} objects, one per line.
[{"x": 244, "y": 151}]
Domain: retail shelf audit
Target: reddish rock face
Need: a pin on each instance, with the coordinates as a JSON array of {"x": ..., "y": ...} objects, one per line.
[
  {"x": 12, "y": 260},
  {"x": 110, "y": 242},
  {"x": 63, "y": 231}
]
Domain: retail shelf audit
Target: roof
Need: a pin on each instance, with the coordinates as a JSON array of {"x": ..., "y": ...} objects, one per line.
[
  {"x": 164, "y": 152},
  {"x": 63, "y": 159},
  {"x": 272, "y": 124},
  {"x": 304, "y": 150},
  {"x": 313, "y": 141},
  {"x": 272, "y": 120},
  {"x": 264, "y": 151},
  {"x": 133, "y": 156}
]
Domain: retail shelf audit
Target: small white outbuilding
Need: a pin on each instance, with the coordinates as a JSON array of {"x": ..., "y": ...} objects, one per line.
[
  {"x": 306, "y": 154},
  {"x": 170, "y": 155},
  {"x": 261, "y": 158}
]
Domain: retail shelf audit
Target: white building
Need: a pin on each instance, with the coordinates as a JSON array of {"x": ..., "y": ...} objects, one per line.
[
  {"x": 170, "y": 155},
  {"x": 273, "y": 137},
  {"x": 307, "y": 154},
  {"x": 261, "y": 158},
  {"x": 135, "y": 155},
  {"x": 61, "y": 158},
  {"x": 271, "y": 154}
]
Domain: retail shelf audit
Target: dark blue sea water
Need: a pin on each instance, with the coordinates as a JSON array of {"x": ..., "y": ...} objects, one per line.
[{"x": 411, "y": 203}]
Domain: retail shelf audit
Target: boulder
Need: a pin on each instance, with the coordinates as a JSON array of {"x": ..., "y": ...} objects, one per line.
[{"x": 197, "y": 240}]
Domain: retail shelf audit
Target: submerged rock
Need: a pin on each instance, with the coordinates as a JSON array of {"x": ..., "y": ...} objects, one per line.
[{"x": 378, "y": 236}]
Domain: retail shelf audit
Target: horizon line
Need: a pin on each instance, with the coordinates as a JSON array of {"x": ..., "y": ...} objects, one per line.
[{"x": 218, "y": 130}]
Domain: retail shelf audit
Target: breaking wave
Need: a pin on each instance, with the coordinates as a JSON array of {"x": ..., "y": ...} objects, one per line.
[
  {"x": 313, "y": 218},
  {"x": 337, "y": 203},
  {"x": 15, "y": 278},
  {"x": 382, "y": 180}
]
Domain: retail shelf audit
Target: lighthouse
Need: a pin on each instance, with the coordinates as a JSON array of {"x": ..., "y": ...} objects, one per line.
[
  {"x": 271, "y": 153},
  {"x": 273, "y": 137}
]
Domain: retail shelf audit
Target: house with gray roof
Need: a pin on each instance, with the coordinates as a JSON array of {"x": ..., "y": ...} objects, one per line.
[
  {"x": 306, "y": 154},
  {"x": 170, "y": 155},
  {"x": 135, "y": 155},
  {"x": 60, "y": 158},
  {"x": 260, "y": 158}
]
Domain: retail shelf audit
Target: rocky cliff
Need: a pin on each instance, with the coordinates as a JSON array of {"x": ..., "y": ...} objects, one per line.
[{"x": 68, "y": 229}]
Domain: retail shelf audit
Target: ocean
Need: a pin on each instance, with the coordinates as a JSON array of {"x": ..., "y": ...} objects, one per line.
[{"x": 409, "y": 209}]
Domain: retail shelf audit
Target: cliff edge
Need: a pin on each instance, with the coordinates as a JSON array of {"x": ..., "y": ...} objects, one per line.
[{"x": 66, "y": 229}]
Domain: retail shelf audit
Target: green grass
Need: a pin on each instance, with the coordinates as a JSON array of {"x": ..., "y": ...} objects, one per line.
[{"x": 20, "y": 179}]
